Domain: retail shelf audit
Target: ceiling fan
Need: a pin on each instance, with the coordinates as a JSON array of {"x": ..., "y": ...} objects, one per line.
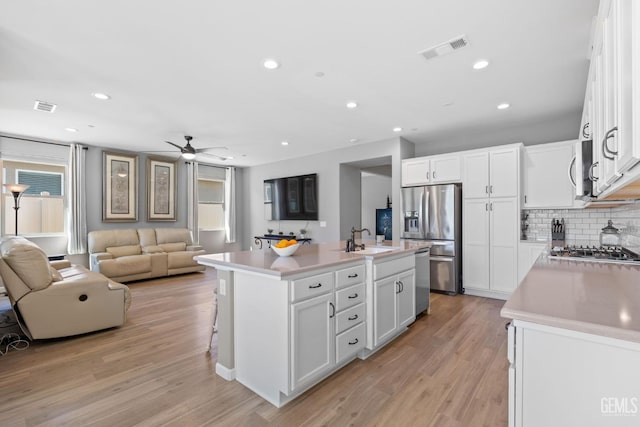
[{"x": 189, "y": 153}]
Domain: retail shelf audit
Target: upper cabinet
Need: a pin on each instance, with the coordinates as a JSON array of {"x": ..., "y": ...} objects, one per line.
[
  {"x": 431, "y": 170},
  {"x": 546, "y": 172},
  {"x": 489, "y": 173},
  {"x": 612, "y": 100}
]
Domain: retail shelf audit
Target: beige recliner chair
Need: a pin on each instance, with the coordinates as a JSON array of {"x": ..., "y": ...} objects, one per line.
[{"x": 58, "y": 299}]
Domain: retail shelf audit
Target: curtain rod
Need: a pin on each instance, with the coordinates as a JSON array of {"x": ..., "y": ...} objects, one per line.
[{"x": 61, "y": 144}]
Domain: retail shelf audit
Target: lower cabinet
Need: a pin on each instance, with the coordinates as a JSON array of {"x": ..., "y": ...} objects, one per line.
[
  {"x": 393, "y": 299},
  {"x": 312, "y": 339},
  {"x": 528, "y": 253},
  {"x": 559, "y": 377},
  {"x": 329, "y": 329},
  {"x": 289, "y": 334}
]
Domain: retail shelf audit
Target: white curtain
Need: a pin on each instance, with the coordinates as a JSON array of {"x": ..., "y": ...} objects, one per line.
[
  {"x": 230, "y": 205},
  {"x": 192, "y": 200},
  {"x": 77, "y": 211}
]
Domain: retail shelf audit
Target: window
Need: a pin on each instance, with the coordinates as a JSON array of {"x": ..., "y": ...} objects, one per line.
[
  {"x": 210, "y": 204},
  {"x": 42, "y": 205}
]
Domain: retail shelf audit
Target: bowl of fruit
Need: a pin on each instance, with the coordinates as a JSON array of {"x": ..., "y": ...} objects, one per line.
[{"x": 286, "y": 247}]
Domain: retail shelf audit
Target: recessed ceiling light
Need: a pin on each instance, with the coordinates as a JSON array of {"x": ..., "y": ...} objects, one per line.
[
  {"x": 270, "y": 64},
  {"x": 102, "y": 96},
  {"x": 504, "y": 106},
  {"x": 352, "y": 104},
  {"x": 284, "y": 143},
  {"x": 479, "y": 65},
  {"x": 397, "y": 129},
  {"x": 71, "y": 129},
  {"x": 352, "y": 140},
  {"x": 230, "y": 158}
]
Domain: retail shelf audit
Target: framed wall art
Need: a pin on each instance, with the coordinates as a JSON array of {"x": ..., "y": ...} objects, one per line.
[
  {"x": 161, "y": 189},
  {"x": 119, "y": 187}
]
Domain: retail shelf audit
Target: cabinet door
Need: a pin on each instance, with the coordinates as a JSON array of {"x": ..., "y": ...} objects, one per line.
[
  {"x": 475, "y": 168},
  {"x": 415, "y": 171},
  {"x": 406, "y": 299},
  {"x": 503, "y": 172},
  {"x": 504, "y": 238},
  {"x": 627, "y": 66},
  {"x": 475, "y": 248},
  {"x": 312, "y": 339},
  {"x": 546, "y": 176},
  {"x": 528, "y": 253},
  {"x": 445, "y": 169},
  {"x": 385, "y": 315}
]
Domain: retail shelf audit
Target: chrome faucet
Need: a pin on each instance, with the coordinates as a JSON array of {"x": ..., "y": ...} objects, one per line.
[{"x": 351, "y": 243}]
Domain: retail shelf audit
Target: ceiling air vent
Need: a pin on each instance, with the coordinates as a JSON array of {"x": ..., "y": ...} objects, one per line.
[
  {"x": 446, "y": 47},
  {"x": 47, "y": 107}
]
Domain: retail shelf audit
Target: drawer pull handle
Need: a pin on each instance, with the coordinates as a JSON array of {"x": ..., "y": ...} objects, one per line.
[
  {"x": 354, "y": 342},
  {"x": 333, "y": 310},
  {"x": 315, "y": 286},
  {"x": 353, "y": 296},
  {"x": 354, "y": 317},
  {"x": 351, "y": 276}
]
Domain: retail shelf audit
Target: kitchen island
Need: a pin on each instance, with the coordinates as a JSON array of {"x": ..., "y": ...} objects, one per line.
[
  {"x": 574, "y": 344},
  {"x": 286, "y": 323}
]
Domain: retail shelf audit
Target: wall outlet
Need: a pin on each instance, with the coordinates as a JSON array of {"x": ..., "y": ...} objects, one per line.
[
  {"x": 323, "y": 223},
  {"x": 222, "y": 287}
]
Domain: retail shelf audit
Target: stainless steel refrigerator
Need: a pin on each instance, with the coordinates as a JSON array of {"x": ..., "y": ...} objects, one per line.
[{"x": 434, "y": 213}]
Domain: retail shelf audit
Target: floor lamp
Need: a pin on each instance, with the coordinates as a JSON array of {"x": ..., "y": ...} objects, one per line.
[{"x": 17, "y": 190}]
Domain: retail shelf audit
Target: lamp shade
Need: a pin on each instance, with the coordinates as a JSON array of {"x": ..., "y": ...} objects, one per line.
[{"x": 16, "y": 188}]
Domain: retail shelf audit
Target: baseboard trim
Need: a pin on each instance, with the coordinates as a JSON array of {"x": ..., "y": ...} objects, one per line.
[
  {"x": 226, "y": 373},
  {"x": 486, "y": 294}
]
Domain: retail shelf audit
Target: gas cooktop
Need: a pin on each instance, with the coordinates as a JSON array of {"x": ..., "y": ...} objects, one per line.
[{"x": 593, "y": 253}]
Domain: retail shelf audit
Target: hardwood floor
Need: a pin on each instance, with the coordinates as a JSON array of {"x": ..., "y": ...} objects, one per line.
[{"x": 449, "y": 369}]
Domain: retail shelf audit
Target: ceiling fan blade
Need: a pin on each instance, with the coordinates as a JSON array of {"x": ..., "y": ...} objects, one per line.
[
  {"x": 160, "y": 151},
  {"x": 216, "y": 156},
  {"x": 177, "y": 146},
  {"x": 202, "y": 150}
]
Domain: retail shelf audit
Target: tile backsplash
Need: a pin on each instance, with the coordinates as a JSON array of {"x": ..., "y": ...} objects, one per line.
[{"x": 583, "y": 226}]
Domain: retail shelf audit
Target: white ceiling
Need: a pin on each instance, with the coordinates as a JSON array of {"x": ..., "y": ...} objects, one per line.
[{"x": 194, "y": 67}]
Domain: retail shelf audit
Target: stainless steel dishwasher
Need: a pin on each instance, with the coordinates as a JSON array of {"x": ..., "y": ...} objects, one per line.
[{"x": 423, "y": 281}]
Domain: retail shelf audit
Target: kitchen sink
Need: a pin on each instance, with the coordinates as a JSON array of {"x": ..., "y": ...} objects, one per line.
[{"x": 372, "y": 250}]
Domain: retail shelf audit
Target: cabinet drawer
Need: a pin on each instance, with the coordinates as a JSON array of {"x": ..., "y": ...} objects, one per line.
[
  {"x": 349, "y": 297},
  {"x": 311, "y": 286},
  {"x": 349, "y": 276},
  {"x": 349, "y": 318},
  {"x": 349, "y": 343},
  {"x": 385, "y": 269}
]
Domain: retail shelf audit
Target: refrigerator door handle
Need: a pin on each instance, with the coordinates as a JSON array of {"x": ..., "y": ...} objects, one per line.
[{"x": 424, "y": 205}]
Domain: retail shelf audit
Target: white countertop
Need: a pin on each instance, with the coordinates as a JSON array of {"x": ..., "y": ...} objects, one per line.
[
  {"x": 592, "y": 297},
  {"x": 306, "y": 258}
]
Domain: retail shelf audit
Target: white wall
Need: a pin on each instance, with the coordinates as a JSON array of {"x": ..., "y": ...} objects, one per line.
[
  {"x": 375, "y": 189},
  {"x": 327, "y": 166}
]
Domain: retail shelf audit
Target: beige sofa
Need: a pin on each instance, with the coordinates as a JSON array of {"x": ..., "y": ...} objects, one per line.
[
  {"x": 58, "y": 299},
  {"x": 127, "y": 255}
]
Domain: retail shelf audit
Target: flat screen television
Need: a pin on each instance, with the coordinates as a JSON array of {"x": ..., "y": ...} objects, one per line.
[{"x": 291, "y": 198}]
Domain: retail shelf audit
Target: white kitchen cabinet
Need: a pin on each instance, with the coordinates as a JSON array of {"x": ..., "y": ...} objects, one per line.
[
  {"x": 312, "y": 339},
  {"x": 546, "y": 182},
  {"x": 490, "y": 173},
  {"x": 612, "y": 99},
  {"x": 431, "y": 170},
  {"x": 491, "y": 221},
  {"x": 391, "y": 303},
  {"x": 528, "y": 253},
  {"x": 559, "y": 377}
]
